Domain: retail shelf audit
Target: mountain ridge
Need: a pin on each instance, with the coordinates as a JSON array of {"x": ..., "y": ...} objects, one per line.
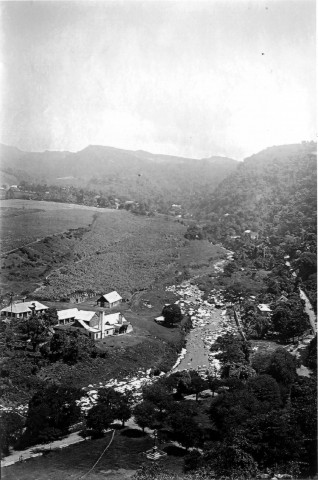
[{"x": 119, "y": 172}]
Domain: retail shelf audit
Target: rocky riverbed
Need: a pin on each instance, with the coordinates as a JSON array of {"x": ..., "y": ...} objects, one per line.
[{"x": 209, "y": 320}]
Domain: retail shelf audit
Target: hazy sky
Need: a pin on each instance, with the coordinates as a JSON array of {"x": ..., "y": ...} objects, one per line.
[{"x": 196, "y": 79}]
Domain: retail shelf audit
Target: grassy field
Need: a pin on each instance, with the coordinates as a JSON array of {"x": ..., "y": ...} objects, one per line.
[
  {"x": 99, "y": 249},
  {"x": 118, "y": 251},
  {"x": 25, "y": 221},
  {"x": 149, "y": 346},
  {"x": 125, "y": 454}
]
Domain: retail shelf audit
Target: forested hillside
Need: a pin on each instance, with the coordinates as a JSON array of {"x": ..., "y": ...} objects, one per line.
[
  {"x": 135, "y": 175},
  {"x": 270, "y": 200}
]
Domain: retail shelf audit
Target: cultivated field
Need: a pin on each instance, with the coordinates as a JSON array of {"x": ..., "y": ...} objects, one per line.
[
  {"x": 25, "y": 221},
  {"x": 119, "y": 252}
]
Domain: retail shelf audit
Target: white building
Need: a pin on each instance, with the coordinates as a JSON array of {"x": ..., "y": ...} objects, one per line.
[
  {"x": 23, "y": 310},
  {"x": 96, "y": 325}
]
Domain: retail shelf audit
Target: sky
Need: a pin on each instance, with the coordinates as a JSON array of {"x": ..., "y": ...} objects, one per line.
[{"x": 187, "y": 78}]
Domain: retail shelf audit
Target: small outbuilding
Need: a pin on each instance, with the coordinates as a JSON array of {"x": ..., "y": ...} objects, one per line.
[
  {"x": 110, "y": 300},
  {"x": 160, "y": 319},
  {"x": 264, "y": 309}
]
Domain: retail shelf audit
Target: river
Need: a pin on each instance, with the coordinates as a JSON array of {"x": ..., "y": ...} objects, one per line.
[{"x": 208, "y": 323}]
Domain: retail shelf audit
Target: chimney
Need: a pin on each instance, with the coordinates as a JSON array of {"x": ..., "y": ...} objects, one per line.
[
  {"x": 120, "y": 319},
  {"x": 101, "y": 323}
]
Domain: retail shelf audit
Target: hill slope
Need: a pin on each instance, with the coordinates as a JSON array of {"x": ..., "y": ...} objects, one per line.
[
  {"x": 136, "y": 174},
  {"x": 264, "y": 188},
  {"x": 272, "y": 197}
]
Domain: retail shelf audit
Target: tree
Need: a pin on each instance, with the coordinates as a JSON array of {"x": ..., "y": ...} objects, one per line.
[
  {"x": 158, "y": 395},
  {"x": 51, "y": 412},
  {"x": 233, "y": 349},
  {"x": 239, "y": 371},
  {"x": 311, "y": 360},
  {"x": 172, "y": 314},
  {"x": 50, "y": 317},
  {"x": 185, "y": 429},
  {"x": 99, "y": 418},
  {"x": 261, "y": 362},
  {"x": 108, "y": 396},
  {"x": 11, "y": 427},
  {"x": 307, "y": 265},
  {"x": 71, "y": 347},
  {"x": 231, "y": 409},
  {"x": 231, "y": 459},
  {"x": 282, "y": 367},
  {"x": 197, "y": 384},
  {"x": 122, "y": 409},
  {"x": 34, "y": 330},
  {"x": 303, "y": 398},
  {"x": 214, "y": 383},
  {"x": 194, "y": 233},
  {"x": 289, "y": 319},
  {"x": 265, "y": 389},
  {"x": 144, "y": 414}
]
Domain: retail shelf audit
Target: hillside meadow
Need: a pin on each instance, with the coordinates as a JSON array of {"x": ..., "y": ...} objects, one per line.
[
  {"x": 25, "y": 221},
  {"x": 58, "y": 249}
]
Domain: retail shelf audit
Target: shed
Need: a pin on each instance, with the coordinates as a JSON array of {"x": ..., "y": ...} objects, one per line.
[
  {"x": 160, "y": 319},
  {"x": 110, "y": 300}
]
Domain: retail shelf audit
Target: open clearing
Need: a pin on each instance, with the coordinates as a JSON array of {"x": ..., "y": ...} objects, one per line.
[
  {"x": 124, "y": 454},
  {"x": 25, "y": 221}
]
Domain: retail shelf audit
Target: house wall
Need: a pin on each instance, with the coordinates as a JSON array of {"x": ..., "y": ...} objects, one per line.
[{"x": 104, "y": 304}]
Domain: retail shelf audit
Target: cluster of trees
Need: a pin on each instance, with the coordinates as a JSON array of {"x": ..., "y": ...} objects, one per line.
[
  {"x": 94, "y": 197},
  {"x": 261, "y": 420},
  {"x": 265, "y": 419},
  {"x": 29, "y": 345},
  {"x": 68, "y": 194},
  {"x": 70, "y": 347},
  {"x": 160, "y": 408},
  {"x": 51, "y": 411},
  {"x": 172, "y": 314},
  {"x": 111, "y": 405},
  {"x": 288, "y": 319},
  {"x": 267, "y": 210}
]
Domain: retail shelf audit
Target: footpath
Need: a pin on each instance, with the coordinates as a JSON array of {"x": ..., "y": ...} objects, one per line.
[{"x": 32, "y": 452}]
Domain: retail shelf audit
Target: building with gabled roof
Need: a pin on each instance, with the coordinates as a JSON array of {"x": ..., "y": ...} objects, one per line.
[
  {"x": 85, "y": 315},
  {"x": 283, "y": 299},
  {"x": 23, "y": 309},
  {"x": 67, "y": 316},
  {"x": 264, "y": 309},
  {"x": 112, "y": 324},
  {"x": 110, "y": 300},
  {"x": 96, "y": 325}
]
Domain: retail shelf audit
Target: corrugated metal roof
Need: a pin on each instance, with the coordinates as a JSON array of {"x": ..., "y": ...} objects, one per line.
[{"x": 112, "y": 297}]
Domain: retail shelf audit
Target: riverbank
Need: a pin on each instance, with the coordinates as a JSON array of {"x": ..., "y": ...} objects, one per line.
[{"x": 208, "y": 322}]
